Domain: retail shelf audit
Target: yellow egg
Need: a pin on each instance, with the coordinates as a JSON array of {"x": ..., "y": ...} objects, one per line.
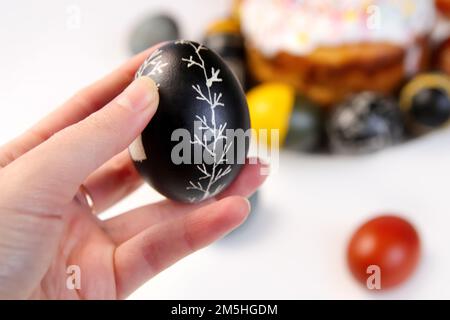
[
  {"x": 270, "y": 106},
  {"x": 227, "y": 25}
]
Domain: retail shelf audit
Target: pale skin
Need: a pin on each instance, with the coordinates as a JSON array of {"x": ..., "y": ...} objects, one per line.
[{"x": 43, "y": 230}]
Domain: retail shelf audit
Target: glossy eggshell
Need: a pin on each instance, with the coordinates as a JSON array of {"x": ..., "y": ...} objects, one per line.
[
  {"x": 425, "y": 101},
  {"x": 431, "y": 107},
  {"x": 179, "y": 107},
  {"x": 271, "y": 105},
  {"x": 388, "y": 242}
]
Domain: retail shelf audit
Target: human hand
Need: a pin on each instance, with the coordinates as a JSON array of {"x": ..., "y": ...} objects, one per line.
[{"x": 44, "y": 229}]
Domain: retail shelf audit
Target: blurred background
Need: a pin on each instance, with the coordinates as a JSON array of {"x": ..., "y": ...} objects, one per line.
[{"x": 294, "y": 245}]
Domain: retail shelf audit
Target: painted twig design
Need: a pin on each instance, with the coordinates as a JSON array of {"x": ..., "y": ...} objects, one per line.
[
  {"x": 153, "y": 65},
  {"x": 219, "y": 146}
]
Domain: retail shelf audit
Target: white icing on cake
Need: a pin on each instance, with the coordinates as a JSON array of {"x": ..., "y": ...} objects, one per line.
[{"x": 300, "y": 26}]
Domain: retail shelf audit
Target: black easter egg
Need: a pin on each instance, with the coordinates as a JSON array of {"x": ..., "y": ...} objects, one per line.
[
  {"x": 426, "y": 102},
  {"x": 365, "y": 123},
  {"x": 198, "y": 140}
]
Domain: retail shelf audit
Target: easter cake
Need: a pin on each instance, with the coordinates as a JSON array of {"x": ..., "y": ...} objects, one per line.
[
  {"x": 443, "y": 6},
  {"x": 329, "y": 49}
]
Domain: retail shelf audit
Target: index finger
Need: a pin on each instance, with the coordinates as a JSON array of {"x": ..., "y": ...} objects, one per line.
[{"x": 77, "y": 108}]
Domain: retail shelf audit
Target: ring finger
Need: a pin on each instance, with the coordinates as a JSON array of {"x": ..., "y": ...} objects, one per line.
[{"x": 113, "y": 181}]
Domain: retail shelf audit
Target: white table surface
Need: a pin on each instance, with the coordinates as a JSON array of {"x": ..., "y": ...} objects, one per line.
[{"x": 294, "y": 245}]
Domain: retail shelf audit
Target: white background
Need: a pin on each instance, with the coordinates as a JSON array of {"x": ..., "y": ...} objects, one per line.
[{"x": 294, "y": 245}]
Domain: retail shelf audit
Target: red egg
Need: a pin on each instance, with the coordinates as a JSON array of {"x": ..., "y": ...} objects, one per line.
[{"x": 384, "y": 252}]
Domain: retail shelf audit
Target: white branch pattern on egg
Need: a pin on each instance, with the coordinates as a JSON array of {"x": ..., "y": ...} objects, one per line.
[
  {"x": 153, "y": 65},
  {"x": 212, "y": 174}
]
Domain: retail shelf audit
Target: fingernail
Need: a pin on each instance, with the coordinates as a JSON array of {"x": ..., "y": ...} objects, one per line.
[
  {"x": 245, "y": 211},
  {"x": 142, "y": 93},
  {"x": 249, "y": 205}
]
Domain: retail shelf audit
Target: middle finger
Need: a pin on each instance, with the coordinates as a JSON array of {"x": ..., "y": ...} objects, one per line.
[{"x": 127, "y": 225}]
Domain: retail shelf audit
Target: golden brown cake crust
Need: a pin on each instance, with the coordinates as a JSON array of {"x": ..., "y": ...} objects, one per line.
[
  {"x": 441, "y": 58},
  {"x": 443, "y": 6},
  {"x": 328, "y": 75}
]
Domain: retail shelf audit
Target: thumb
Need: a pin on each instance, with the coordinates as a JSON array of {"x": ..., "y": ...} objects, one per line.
[{"x": 63, "y": 162}]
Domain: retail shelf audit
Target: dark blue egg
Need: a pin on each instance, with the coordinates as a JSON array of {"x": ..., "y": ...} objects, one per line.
[
  {"x": 305, "y": 126},
  {"x": 425, "y": 101},
  {"x": 431, "y": 107}
]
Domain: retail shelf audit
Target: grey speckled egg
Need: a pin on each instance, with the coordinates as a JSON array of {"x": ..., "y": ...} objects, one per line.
[
  {"x": 152, "y": 30},
  {"x": 365, "y": 123}
]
